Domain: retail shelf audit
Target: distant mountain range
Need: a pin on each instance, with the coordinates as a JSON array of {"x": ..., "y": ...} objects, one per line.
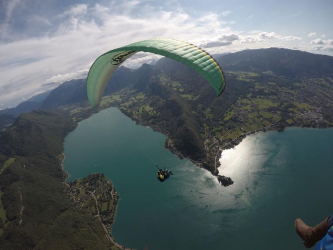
[
  {"x": 275, "y": 61},
  {"x": 282, "y": 62}
]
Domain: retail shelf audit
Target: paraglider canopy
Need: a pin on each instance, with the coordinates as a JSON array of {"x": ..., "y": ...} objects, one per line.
[{"x": 103, "y": 68}]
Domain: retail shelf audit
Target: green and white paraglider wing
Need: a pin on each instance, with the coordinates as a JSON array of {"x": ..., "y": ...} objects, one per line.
[{"x": 102, "y": 69}]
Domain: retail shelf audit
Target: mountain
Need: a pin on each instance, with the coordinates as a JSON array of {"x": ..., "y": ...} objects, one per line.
[
  {"x": 26, "y": 106},
  {"x": 281, "y": 62},
  {"x": 74, "y": 91},
  {"x": 40, "y": 97},
  {"x": 6, "y": 120},
  {"x": 69, "y": 92},
  {"x": 266, "y": 89}
]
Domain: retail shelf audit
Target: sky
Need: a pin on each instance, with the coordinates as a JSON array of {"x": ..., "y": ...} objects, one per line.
[{"x": 46, "y": 42}]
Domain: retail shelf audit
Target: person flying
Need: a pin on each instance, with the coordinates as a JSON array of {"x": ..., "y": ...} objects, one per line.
[{"x": 162, "y": 175}]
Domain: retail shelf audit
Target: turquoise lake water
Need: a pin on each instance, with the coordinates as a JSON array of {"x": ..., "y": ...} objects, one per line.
[{"x": 278, "y": 177}]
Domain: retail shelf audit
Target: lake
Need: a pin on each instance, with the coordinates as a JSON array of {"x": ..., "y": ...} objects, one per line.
[{"x": 278, "y": 178}]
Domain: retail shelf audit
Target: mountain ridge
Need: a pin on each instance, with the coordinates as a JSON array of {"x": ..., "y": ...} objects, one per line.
[{"x": 188, "y": 105}]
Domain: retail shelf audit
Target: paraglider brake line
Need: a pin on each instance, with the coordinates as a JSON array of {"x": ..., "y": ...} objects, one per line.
[
  {"x": 137, "y": 146},
  {"x": 213, "y": 102}
]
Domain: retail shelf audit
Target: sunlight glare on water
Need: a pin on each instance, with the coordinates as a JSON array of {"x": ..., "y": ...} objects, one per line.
[{"x": 271, "y": 173}]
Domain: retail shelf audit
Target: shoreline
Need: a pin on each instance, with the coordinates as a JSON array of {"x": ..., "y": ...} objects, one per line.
[
  {"x": 215, "y": 150},
  {"x": 218, "y": 145},
  {"x": 114, "y": 195},
  {"x": 229, "y": 145}
]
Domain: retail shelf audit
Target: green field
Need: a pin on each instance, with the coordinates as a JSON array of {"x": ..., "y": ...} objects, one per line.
[
  {"x": 303, "y": 106},
  {"x": 104, "y": 206},
  {"x": 264, "y": 103},
  {"x": 265, "y": 114},
  {"x": 190, "y": 97},
  {"x": 110, "y": 99}
]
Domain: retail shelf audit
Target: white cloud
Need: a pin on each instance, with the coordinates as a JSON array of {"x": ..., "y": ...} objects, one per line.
[
  {"x": 278, "y": 45},
  {"x": 322, "y": 45},
  {"x": 328, "y": 48},
  {"x": 250, "y": 39},
  {"x": 290, "y": 38},
  {"x": 80, "y": 74},
  {"x": 140, "y": 58},
  {"x": 317, "y": 41},
  {"x": 9, "y": 11},
  {"x": 323, "y": 48},
  {"x": 259, "y": 37},
  {"x": 39, "y": 21},
  {"x": 76, "y": 10},
  {"x": 226, "y": 13},
  {"x": 266, "y": 35},
  {"x": 312, "y": 34},
  {"x": 329, "y": 42},
  {"x": 222, "y": 40},
  {"x": 321, "y": 41}
]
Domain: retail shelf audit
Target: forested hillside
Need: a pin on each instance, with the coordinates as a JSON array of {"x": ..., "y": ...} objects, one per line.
[{"x": 35, "y": 209}]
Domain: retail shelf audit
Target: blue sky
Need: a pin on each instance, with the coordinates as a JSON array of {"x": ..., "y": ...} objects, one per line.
[{"x": 46, "y": 42}]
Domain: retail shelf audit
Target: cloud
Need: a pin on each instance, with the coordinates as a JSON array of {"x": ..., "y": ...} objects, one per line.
[
  {"x": 323, "y": 48},
  {"x": 226, "y": 13},
  {"x": 328, "y": 48},
  {"x": 250, "y": 39},
  {"x": 259, "y": 37},
  {"x": 140, "y": 58},
  {"x": 37, "y": 20},
  {"x": 223, "y": 40},
  {"x": 249, "y": 17},
  {"x": 266, "y": 35},
  {"x": 329, "y": 42},
  {"x": 290, "y": 38},
  {"x": 262, "y": 37},
  {"x": 322, "y": 45},
  {"x": 9, "y": 11},
  {"x": 278, "y": 45},
  {"x": 215, "y": 44},
  {"x": 317, "y": 41},
  {"x": 320, "y": 41},
  {"x": 312, "y": 34},
  {"x": 76, "y": 10},
  {"x": 80, "y": 74}
]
